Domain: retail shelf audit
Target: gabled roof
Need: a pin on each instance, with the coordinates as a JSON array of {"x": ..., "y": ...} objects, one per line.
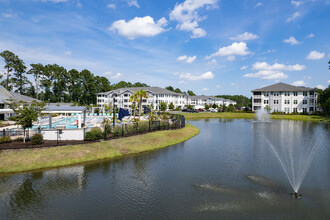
[
  {"x": 155, "y": 90},
  {"x": 205, "y": 98},
  {"x": 283, "y": 87},
  {"x": 6, "y": 95}
]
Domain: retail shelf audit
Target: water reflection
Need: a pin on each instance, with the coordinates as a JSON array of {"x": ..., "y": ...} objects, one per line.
[{"x": 224, "y": 172}]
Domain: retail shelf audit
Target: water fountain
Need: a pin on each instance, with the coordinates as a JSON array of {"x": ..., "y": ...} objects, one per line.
[
  {"x": 295, "y": 151},
  {"x": 263, "y": 115}
]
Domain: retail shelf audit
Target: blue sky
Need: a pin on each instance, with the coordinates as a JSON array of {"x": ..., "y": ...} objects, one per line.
[{"x": 208, "y": 46}]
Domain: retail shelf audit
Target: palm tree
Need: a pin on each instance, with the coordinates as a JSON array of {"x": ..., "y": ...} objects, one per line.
[
  {"x": 134, "y": 98},
  {"x": 141, "y": 94}
]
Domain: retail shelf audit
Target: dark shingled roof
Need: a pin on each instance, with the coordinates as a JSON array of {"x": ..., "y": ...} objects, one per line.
[
  {"x": 6, "y": 96},
  {"x": 204, "y": 98},
  {"x": 283, "y": 87},
  {"x": 154, "y": 90}
]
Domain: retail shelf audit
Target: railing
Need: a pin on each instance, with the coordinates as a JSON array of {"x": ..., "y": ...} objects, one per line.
[
  {"x": 18, "y": 132},
  {"x": 174, "y": 121}
]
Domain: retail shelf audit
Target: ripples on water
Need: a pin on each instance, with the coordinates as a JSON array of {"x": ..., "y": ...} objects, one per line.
[{"x": 226, "y": 171}]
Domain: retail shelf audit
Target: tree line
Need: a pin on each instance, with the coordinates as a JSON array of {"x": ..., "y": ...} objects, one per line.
[{"x": 54, "y": 83}]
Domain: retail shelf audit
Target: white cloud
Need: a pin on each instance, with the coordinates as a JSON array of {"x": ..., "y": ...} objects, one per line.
[
  {"x": 8, "y": 15},
  {"x": 55, "y": 1},
  {"x": 299, "y": 83},
  {"x": 297, "y": 3},
  {"x": 258, "y": 4},
  {"x": 133, "y": 3},
  {"x": 188, "y": 76},
  {"x": 113, "y": 6},
  {"x": 112, "y": 75},
  {"x": 235, "y": 49},
  {"x": 139, "y": 27},
  {"x": 234, "y": 84},
  {"x": 244, "y": 37},
  {"x": 187, "y": 17},
  {"x": 275, "y": 71},
  {"x": 320, "y": 87},
  {"x": 328, "y": 81},
  {"x": 182, "y": 82},
  {"x": 291, "y": 40},
  {"x": 205, "y": 89},
  {"x": 269, "y": 51},
  {"x": 212, "y": 62},
  {"x": 41, "y": 55},
  {"x": 311, "y": 35},
  {"x": 218, "y": 86},
  {"x": 277, "y": 66},
  {"x": 315, "y": 55},
  {"x": 186, "y": 59},
  {"x": 293, "y": 17},
  {"x": 244, "y": 67},
  {"x": 67, "y": 52}
]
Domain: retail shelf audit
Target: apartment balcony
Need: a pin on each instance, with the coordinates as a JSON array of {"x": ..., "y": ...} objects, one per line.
[
  {"x": 257, "y": 96},
  {"x": 257, "y": 103}
]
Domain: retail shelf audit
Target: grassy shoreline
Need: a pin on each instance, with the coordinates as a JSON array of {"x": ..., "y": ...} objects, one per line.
[
  {"x": 234, "y": 115},
  {"x": 13, "y": 161}
]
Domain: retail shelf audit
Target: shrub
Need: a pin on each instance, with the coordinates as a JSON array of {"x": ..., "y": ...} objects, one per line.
[
  {"x": 117, "y": 131},
  {"x": 94, "y": 134},
  {"x": 131, "y": 129},
  {"x": 37, "y": 139},
  {"x": 19, "y": 139},
  {"x": 5, "y": 139},
  {"x": 163, "y": 125},
  {"x": 143, "y": 127}
]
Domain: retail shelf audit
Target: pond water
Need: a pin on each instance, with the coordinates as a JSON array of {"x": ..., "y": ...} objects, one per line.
[{"x": 228, "y": 171}]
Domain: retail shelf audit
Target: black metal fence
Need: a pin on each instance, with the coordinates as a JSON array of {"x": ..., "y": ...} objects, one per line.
[
  {"x": 173, "y": 121},
  {"x": 18, "y": 132}
]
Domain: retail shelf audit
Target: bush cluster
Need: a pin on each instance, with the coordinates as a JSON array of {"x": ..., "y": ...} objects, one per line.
[
  {"x": 5, "y": 139},
  {"x": 117, "y": 131},
  {"x": 37, "y": 139},
  {"x": 94, "y": 134}
]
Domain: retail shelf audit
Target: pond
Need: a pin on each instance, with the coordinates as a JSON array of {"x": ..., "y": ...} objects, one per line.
[{"x": 232, "y": 169}]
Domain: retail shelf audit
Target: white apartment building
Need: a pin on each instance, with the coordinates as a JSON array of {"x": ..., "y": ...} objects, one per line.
[
  {"x": 282, "y": 97},
  {"x": 121, "y": 97},
  {"x": 157, "y": 95},
  {"x": 199, "y": 101}
]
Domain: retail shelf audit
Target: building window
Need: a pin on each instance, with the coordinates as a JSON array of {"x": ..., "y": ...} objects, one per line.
[
  {"x": 295, "y": 110},
  {"x": 311, "y": 94},
  {"x": 304, "y": 102},
  {"x": 266, "y": 94},
  {"x": 304, "y": 110},
  {"x": 287, "y": 94},
  {"x": 295, "y": 94},
  {"x": 265, "y": 101},
  {"x": 311, "y": 101},
  {"x": 286, "y": 101},
  {"x": 311, "y": 109},
  {"x": 287, "y": 110},
  {"x": 276, "y": 94},
  {"x": 304, "y": 93},
  {"x": 125, "y": 100},
  {"x": 276, "y": 101},
  {"x": 295, "y": 102}
]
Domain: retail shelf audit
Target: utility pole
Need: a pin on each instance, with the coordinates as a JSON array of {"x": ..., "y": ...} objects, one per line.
[{"x": 114, "y": 110}]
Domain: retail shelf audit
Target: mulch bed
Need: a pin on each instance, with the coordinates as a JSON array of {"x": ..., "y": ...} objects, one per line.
[{"x": 20, "y": 145}]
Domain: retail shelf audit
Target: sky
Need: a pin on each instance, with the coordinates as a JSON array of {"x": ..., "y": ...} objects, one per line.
[{"x": 211, "y": 47}]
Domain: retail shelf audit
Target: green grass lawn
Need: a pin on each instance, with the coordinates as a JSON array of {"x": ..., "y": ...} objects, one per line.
[
  {"x": 34, "y": 159},
  {"x": 203, "y": 115}
]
